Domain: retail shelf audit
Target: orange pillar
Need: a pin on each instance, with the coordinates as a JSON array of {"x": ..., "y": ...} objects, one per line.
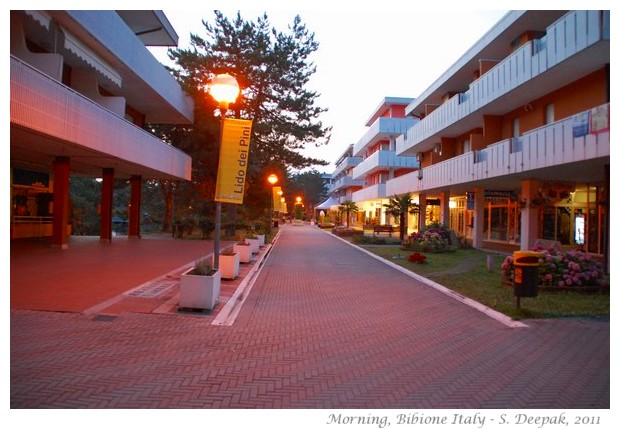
[
  {"x": 134, "y": 211},
  {"x": 107, "y": 194},
  {"x": 60, "y": 237},
  {"x": 530, "y": 227},
  {"x": 444, "y": 215},
  {"x": 479, "y": 205},
  {"x": 422, "y": 215}
]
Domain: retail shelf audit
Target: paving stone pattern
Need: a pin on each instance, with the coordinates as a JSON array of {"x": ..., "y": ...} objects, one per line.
[{"x": 324, "y": 326}]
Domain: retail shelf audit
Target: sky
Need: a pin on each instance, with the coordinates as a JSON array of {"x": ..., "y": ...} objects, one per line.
[{"x": 363, "y": 56}]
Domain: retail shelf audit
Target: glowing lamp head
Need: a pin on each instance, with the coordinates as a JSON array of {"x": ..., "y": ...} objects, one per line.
[
  {"x": 224, "y": 88},
  {"x": 298, "y": 199},
  {"x": 273, "y": 179}
]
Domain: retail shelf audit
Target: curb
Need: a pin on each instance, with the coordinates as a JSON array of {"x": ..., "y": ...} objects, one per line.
[{"x": 228, "y": 314}]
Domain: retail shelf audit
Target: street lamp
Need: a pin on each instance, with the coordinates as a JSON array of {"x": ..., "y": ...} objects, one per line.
[
  {"x": 224, "y": 89},
  {"x": 273, "y": 179}
]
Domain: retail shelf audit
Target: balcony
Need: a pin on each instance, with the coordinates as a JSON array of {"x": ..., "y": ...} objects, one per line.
[
  {"x": 382, "y": 129},
  {"x": 372, "y": 192},
  {"x": 383, "y": 160},
  {"x": 552, "y": 150},
  {"x": 343, "y": 183},
  {"x": 538, "y": 67},
  {"x": 147, "y": 85},
  {"x": 50, "y": 119},
  {"x": 347, "y": 163}
]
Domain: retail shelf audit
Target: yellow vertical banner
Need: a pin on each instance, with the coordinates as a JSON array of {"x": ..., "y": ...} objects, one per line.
[
  {"x": 233, "y": 162},
  {"x": 277, "y": 202}
]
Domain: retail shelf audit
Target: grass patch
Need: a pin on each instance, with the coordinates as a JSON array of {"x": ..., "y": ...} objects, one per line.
[{"x": 465, "y": 271}]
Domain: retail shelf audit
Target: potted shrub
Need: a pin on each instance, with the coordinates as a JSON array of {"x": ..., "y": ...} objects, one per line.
[
  {"x": 200, "y": 287},
  {"x": 254, "y": 242},
  {"x": 244, "y": 250},
  {"x": 229, "y": 264},
  {"x": 260, "y": 234}
]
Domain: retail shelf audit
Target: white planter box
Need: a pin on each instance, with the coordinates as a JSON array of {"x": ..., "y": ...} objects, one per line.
[
  {"x": 199, "y": 292},
  {"x": 254, "y": 244},
  {"x": 244, "y": 251},
  {"x": 229, "y": 266},
  {"x": 261, "y": 240}
]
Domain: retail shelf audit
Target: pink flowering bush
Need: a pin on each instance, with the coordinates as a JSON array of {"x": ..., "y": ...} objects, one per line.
[
  {"x": 561, "y": 268},
  {"x": 435, "y": 238}
]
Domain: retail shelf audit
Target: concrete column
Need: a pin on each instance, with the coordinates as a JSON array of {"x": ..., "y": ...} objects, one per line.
[
  {"x": 105, "y": 207},
  {"x": 422, "y": 215},
  {"x": 134, "y": 210},
  {"x": 530, "y": 227},
  {"x": 60, "y": 237},
  {"x": 478, "y": 234},
  {"x": 444, "y": 215}
]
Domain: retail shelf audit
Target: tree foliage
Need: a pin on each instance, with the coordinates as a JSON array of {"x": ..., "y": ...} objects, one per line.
[
  {"x": 348, "y": 207},
  {"x": 309, "y": 185},
  {"x": 273, "y": 69},
  {"x": 399, "y": 207}
]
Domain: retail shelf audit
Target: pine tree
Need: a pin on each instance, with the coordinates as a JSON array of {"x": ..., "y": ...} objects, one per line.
[{"x": 273, "y": 69}]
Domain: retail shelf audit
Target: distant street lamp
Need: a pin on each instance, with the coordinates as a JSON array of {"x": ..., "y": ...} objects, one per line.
[
  {"x": 225, "y": 90},
  {"x": 298, "y": 208},
  {"x": 273, "y": 179}
]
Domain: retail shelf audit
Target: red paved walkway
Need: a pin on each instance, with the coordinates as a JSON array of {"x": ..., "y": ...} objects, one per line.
[{"x": 324, "y": 326}]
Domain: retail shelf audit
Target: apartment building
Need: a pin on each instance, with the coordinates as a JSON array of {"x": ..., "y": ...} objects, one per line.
[
  {"x": 343, "y": 185},
  {"x": 374, "y": 161},
  {"x": 83, "y": 88},
  {"x": 513, "y": 139}
]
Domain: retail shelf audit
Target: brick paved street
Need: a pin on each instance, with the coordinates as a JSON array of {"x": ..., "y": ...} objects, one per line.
[{"x": 324, "y": 326}]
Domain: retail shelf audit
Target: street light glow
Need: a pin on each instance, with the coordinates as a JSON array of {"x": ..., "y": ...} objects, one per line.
[
  {"x": 273, "y": 179},
  {"x": 224, "y": 88}
]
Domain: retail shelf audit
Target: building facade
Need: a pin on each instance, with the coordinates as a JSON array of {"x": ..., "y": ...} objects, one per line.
[
  {"x": 511, "y": 144},
  {"x": 513, "y": 140},
  {"x": 376, "y": 160},
  {"x": 83, "y": 86}
]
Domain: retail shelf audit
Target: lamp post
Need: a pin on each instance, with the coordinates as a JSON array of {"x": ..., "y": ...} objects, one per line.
[
  {"x": 298, "y": 208},
  {"x": 224, "y": 89},
  {"x": 273, "y": 179}
]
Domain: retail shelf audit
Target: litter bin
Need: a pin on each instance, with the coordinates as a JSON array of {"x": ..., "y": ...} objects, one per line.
[{"x": 526, "y": 273}]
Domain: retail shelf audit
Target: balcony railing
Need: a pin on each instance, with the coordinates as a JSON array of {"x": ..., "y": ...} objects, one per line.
[
  {"x": 382, "y": 129},
  {"x": 347, "y": 163},
  {"x": 49, "y": 108},
  {"x": 571, "y": 34},
  {"x": 344, "y": 182},
  {"x": 551, "y": 145},
  {"x": 372, "y": 192},
  {"x": 383, "y": 160}
]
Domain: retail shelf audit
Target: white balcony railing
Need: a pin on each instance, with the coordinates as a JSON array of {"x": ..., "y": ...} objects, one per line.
[
  {"x": 343, "y": 183},
  {"x": 547, "y": 146},
  {"x": 382, "y": 129},
  {"x": 383, "y": 160},
  {"x": 571, "y": 34},
  {"x": 45, "y": 106},
  {"x": 372, "y": 192},
  {"x": 347, "y": 163}
]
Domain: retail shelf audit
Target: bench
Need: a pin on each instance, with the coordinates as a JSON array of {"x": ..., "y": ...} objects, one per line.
[{"x": 378, "y": 229}]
